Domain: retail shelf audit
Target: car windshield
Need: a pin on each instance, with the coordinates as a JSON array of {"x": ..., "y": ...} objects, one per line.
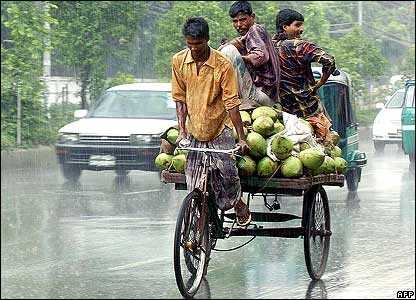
[
  {"x": 410, "y": 96},
  {"x": 396, "y": 101},
  {"x": 135, "y": 104}
]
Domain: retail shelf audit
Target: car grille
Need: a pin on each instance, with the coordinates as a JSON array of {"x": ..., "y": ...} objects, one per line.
[
  {"x": 104, "y": 140},
  {"x": 121, "y": 155}
]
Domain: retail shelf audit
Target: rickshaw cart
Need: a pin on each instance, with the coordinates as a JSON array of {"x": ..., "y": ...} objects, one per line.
[{"x": 315, "y": 220}]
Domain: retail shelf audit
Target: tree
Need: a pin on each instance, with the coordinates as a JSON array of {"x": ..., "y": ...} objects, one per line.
[
  {"x": 360, "y": 57},
  {"x": 89, "y": 32},
  {"x": 169, "y": 30},
  {"x": 21, "y": 69}
]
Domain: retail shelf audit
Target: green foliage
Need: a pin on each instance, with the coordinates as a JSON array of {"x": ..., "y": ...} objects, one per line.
[
  {"x": 316, "y": 25},
  {"x": 22, "y": 70},
  {"x": 60, "y": 115},
  {"x": 365, "y": 117},
  {"x": 407, "y": 64},
  {"x": 85, "y": 32},
  {"x": 266, "y": 12},
  {"x": 121, "y": 78},
  {"x": 169, "y": 30},
  {"x": 359, "y": 56}
]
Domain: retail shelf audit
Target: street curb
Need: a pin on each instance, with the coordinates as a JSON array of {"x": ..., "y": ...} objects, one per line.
[{"x": 35, "y": 158}]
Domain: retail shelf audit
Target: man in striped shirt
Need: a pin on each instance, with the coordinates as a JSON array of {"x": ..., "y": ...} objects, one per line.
[{"x": 297, "y": 89}]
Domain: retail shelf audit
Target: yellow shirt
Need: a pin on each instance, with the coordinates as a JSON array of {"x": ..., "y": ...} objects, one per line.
[{"x": 208, "y": 96}]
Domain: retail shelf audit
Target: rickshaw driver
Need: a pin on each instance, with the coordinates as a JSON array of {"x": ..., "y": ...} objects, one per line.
[
  {"x": 297, "y": 89},
  {"x": 204, "y": 87}
]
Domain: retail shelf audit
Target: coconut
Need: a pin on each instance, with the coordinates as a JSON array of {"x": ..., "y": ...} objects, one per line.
[
  {"x": 292, "y": 167},
  {"x": 180, "y": 151},
  {"x": 245, "y": 117},
  {"x": 257, "y": 144},
  {"x": 163, "y": 161},
  {"x": 172, "y": 135},
  {"x": 178, "y": 162},
  {"x": 278, "y": 127},
  {"x": 263, "y": 125},
  {"x": 266, "y": 167},
  {"x": 340, "y": 165},
  {"x": 335, "y": 152},
  {"x": 304, "y": 146},
  {"x": 282, "y": 147},
  {"x": 264, "y": 111},
  {"x": 327, "y": 167},
  {"x": 246, "y": 166},
  {"x": 312, "y": 158}
]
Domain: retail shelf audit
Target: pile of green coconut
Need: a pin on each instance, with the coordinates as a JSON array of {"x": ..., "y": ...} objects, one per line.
[{"x": 273, "y": 153}]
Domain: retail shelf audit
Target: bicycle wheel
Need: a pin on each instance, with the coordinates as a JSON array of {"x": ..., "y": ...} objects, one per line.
[
  {"x": 317, "y": 232},
  {"x": 190, "y": 246}
]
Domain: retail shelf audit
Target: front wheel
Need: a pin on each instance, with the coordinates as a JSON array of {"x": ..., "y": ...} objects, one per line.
[
  {"x": 352, "y": 177},
  {"x": 379, "y": 146},
  {"x": 191, "y": 245},
  {"x": 317, "y": 232},
  {"x": 71, "y": 172}
]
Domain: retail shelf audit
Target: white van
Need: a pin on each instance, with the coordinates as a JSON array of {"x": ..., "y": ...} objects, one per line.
[{"x": 121, "y": 132}]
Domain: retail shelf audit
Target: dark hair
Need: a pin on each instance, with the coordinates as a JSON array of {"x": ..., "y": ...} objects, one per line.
[
  {"x": 196, "y": 27},
  {"x": 240, "y": 6},
  {"x": 286, "y": 17}
]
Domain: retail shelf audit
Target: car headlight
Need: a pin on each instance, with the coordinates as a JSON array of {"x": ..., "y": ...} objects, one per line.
[
  {"x": 144, "y": 139},
  {"x": 68, "y": 137}
]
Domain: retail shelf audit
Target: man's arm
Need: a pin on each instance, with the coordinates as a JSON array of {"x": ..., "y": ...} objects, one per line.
[
  {"x": 313, "y": 53},
  {"x": 182, "y": 113},
  {"x": 238, "y": 125}
]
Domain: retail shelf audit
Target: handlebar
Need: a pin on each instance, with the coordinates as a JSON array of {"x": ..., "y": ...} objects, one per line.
[
  {"x": 226, "y": 151},
  {"x": 336, "y": 72}
]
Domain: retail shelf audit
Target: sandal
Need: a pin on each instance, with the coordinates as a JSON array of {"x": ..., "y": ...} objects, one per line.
[{"x": 243, "y": 215}]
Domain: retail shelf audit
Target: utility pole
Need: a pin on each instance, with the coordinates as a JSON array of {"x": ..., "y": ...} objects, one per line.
[
  {"x": 46, "y": 57},
  {"x": 19, "y": 114},
  {"x": 360, "y": 13}
]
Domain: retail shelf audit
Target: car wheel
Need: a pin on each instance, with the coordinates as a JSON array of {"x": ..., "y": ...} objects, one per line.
[
  {"x": 122, "y": 172},
  {"x": 352, "y": 178},
  {"x": 379, "y": 146},
  {"x": 70, "y": 172}
]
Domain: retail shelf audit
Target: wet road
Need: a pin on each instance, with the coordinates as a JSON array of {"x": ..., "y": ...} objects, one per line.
[{"x": 106, "y": 240}]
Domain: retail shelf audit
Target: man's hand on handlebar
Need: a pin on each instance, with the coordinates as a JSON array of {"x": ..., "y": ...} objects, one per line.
[{"x": 182, "y": 140}]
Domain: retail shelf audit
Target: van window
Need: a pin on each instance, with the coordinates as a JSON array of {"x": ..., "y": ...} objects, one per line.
[
  {"x": 396, "y": 101},
  {"x": 410, "y": 96}
]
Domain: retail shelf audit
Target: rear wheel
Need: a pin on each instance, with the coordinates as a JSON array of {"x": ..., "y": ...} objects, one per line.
[
  {"x": 352, "y": 177},
  {"x": 379, "y": 146},
  {"x": 317, "y": 232},
  {"x": 191, "y": 245},
  {"x": 71, "y": 172}
]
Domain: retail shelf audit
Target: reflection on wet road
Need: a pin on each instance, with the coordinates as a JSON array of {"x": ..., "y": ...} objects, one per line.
[{"x": 107, "y": 238}]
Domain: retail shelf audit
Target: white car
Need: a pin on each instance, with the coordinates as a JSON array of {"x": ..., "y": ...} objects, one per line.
[
  {"x": 387, "y": 124},
  {"x": 121, "y": 132}
]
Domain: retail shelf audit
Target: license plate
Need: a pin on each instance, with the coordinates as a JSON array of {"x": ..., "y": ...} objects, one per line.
[{"x": 102, "y": 160}]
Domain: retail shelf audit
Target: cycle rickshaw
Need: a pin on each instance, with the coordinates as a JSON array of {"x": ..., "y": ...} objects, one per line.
[{"x": 200, "y": 224}]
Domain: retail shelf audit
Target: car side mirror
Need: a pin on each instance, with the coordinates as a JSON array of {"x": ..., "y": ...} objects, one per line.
[
  {"x": 80, "y": 113},
  {"x": 379, "y": 105}
]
